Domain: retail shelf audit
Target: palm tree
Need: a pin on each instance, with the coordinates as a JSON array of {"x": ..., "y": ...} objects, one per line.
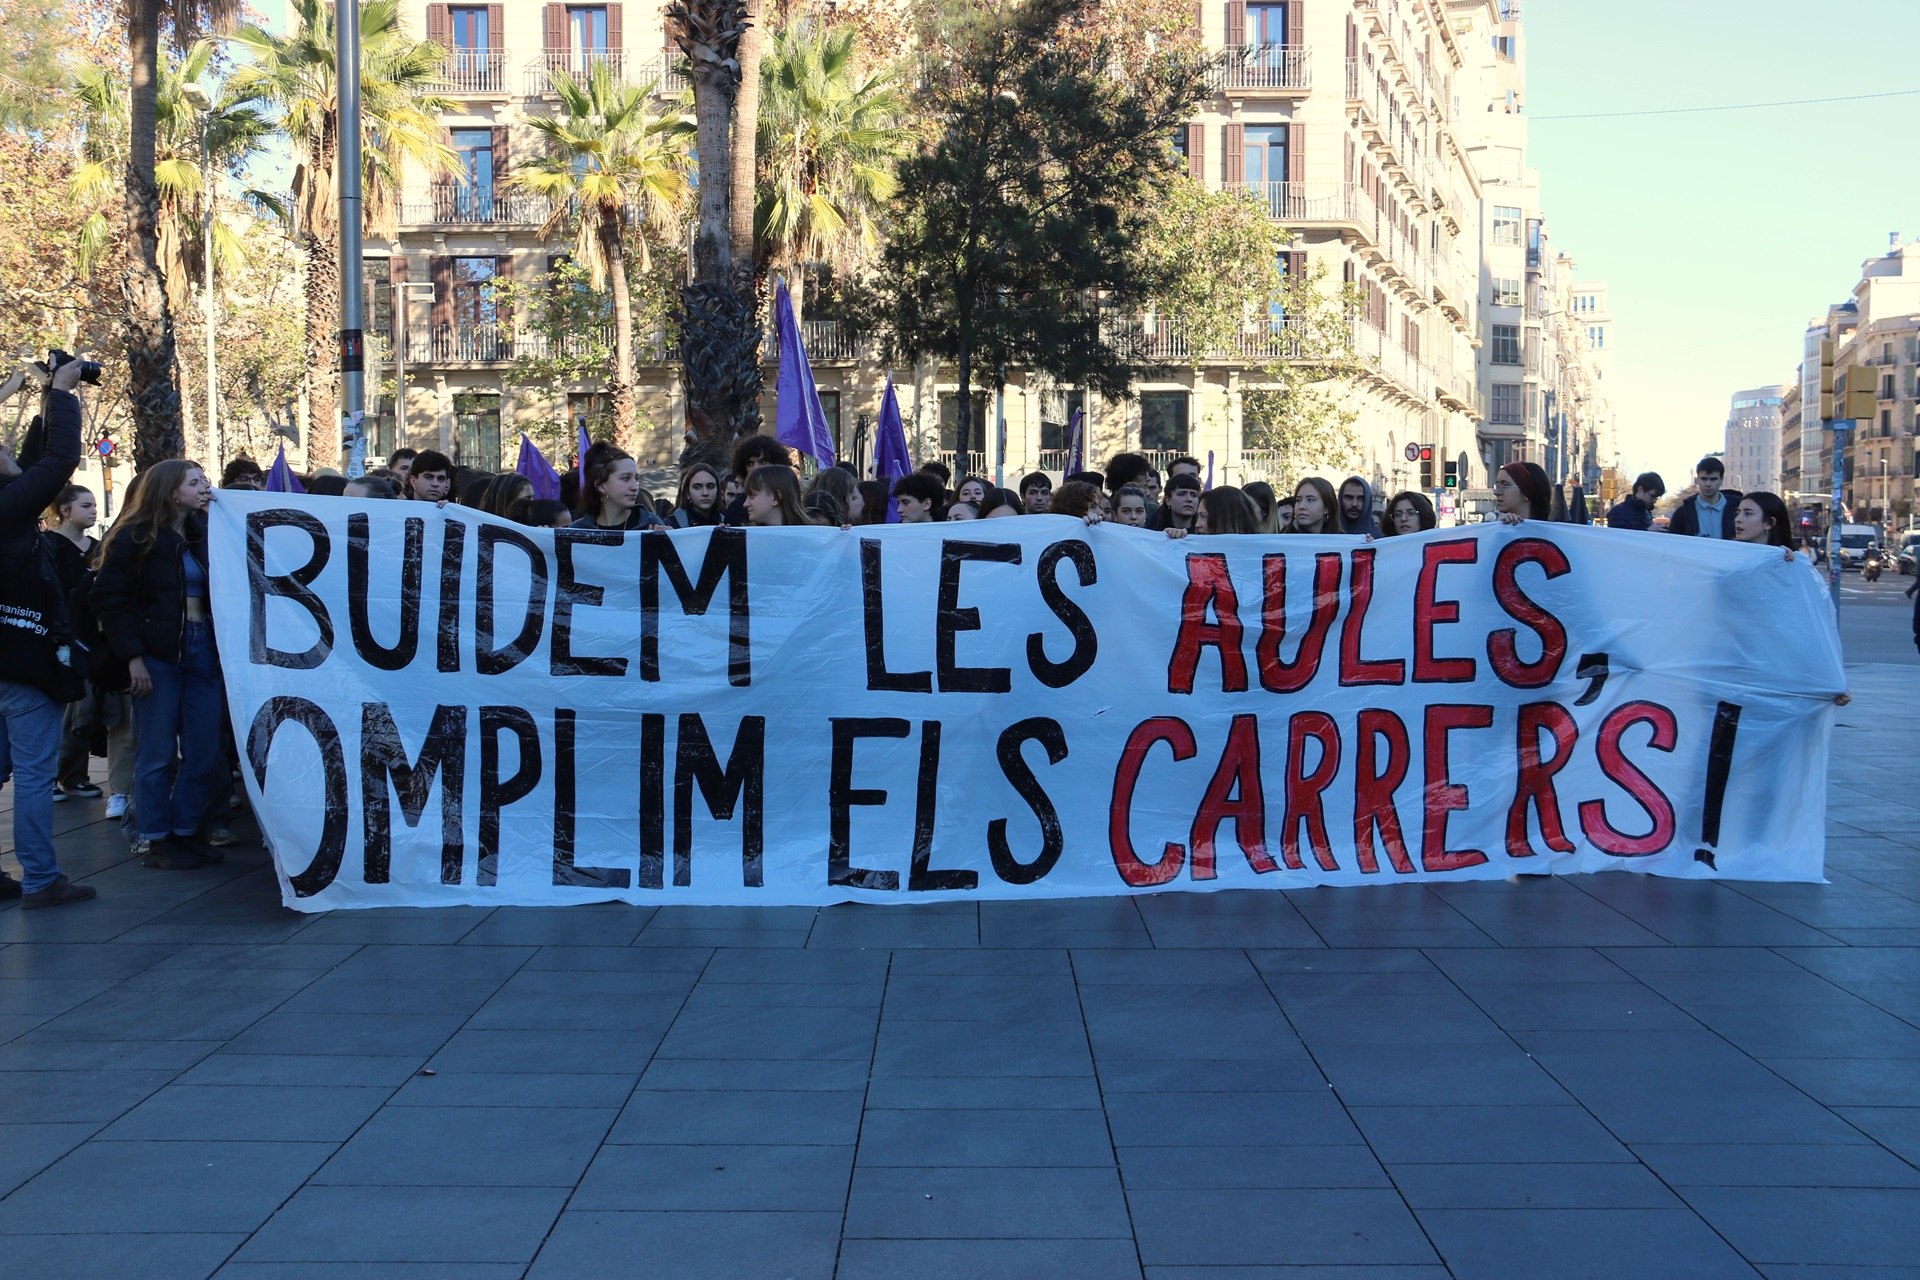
[
  {"x": 610, "y": 154},
  {"x": 399, "y": 125},
  {"x": 149, "y": 323},
  {"x": 830, "y": 136}
]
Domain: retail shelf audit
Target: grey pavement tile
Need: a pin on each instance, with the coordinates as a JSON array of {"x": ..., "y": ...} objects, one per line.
[
  {"x": 1762, "y": 1165},
  {"x": 541, "y": 1052},
  {"x": 1031, "y": 1047},
  {"x": 607, "y": 924},
  {"x": 933, "y": 924},
  {"x": 249, "y": 1113},
  {"x": 691, "y": 1246},
  {"x": 848, "y": 995},
  {"x": 1531, "y": 1186},
  {"x": 661, "y": 960},
  {"x": 742, "y": 1031},
  {"x": 1303, "y": 1226},
  {"x": 730, "y": 1178},
  {"x": 1047, "y": 923},
  {"x": 512, "y": 1089},
  {"x": 1853, "y": 1082},
  {"x": 1227, "y": 1119},
  {"x": 565, "y": 984},
  {"x": 1097, "y": 968},
  {"x": 235, "y": 958},
  {"x": 1905, "y": 937},
  {"x": 1361, "y": 988},
  {"x": 811, "y": 968},
  {"x": 976, "y": 1203},
  {"x": 1188, "y": 1075},
  {"x": 1487, "y": 1135},
  {"x": 654, "y": 935},
  {"x": 360, "y": 1035},
  {"x": 75, "y": 961},
  {"x": 1248, "y": 918},
  {"x": 1250, "y": 1168},
  {"x": 371, "y": 1271},
  {"x": 1769, "y": 989},
  {"x": 411, "y": 928},
  {"x": 26, "y": 1149},
  {"x": 1702, "y": 1112},
  {"x": 1298, "y": 1273},
  {"x": 390, "y": 963},
  {"x": 44, "y": 1050},
  {"x": 1473, "y": 967},
  {"x": 126, "y": 1014},
  {"x": 1029, "y": 962},
  {"x": 1349, "y": 960},
  {"x": 679, "y": 917},
  {"x": 1578, "y": 1006},
  {"x": 97, "y": 922},
  {"x": 525, "y": 1010},
  {"x": 1895, "y": 1128},
  {"x": 161, "y": 1187},
  {"x": 351, "y": 993},
  {"x": 1438, "y": 1075},
  {"x": 268, "y": 931},
  {"x": 754, "y": 1074},
  {"x": 301, "y": 1070},
  {"x": 1848, "y": 1028},
  {"x": 1606, "y": 1059},
  {"x": 1542, "y": 912},
  {"x": 1844, "y": 1226},
  {"x": 407, "y": 1224},
  {"x": 43, "y": 998},
  {"x": 1029, "y": 1093},
  {"x": 1732, "y": 959},
  {"x": 473, "y": 1146},
  {"x": 1552, "y": 1244},
  {"x": 1790, "y": 1271},
  {"x": 667, "y": 1117},
  {"x": 149, "y": 1255},
  {"x": 975, "y": 1138},
  {"x": 988, "y": 1259},
  {"x": 961, "y": 998},
  {"x": 1188, "y": 1021},
  {"x": 54, "y": 1097}
]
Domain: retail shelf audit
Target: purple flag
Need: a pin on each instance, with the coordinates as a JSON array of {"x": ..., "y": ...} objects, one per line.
[
  {"x": 798, "y": 418},
  {"x": 1076, "y": 447},
  {"x": 580, "y": 460},
  {"x": 280, "y": 477},
  {"x": 1209, "y": 469},
  {"x": 890, "y": 460},
  {"x": 534, "y": 466}
]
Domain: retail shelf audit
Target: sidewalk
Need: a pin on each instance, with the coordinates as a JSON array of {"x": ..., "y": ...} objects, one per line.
[{"x": 1608, "y": 1075}]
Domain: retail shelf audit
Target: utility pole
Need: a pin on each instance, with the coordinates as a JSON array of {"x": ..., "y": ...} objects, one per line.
[
  {"x": 202, "y": 103},
  {"x": 353, "y": 351}
]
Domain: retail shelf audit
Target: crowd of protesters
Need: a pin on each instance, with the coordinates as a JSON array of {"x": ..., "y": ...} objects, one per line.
[{"x": 135, "y": 613}]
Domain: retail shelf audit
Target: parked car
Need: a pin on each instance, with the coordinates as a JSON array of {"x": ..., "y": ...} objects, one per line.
[{"x": 1908, "y": 554}]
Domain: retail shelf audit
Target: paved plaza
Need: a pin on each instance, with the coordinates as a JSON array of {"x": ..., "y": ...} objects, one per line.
[{"x": 1609, "y": 1076}]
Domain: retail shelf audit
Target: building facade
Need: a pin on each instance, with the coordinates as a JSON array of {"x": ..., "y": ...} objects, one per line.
[
  {"x": 1360, "y": 125},
  {"x": 1755, "y": 421}
]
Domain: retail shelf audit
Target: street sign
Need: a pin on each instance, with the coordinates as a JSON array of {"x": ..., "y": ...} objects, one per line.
[
  {"x": 1413, "y": 453},
  {"x": 105, "y": 447}
]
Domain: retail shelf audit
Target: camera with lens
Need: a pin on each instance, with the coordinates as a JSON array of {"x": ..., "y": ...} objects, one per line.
[{"x": 89, "y": 369}]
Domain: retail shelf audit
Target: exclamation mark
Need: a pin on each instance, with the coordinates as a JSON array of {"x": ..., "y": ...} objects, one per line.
[{"x": 1726, "y": 724}]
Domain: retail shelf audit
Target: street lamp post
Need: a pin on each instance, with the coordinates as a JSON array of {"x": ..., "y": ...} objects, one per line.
[{"x": 197, "y": 98}]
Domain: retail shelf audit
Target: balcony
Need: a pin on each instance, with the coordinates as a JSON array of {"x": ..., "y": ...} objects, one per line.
[
  {"x": 457, "y": 204},
  {"x": 667, "y": 74},
  {"x": 461, "y": 344},
  {"x": 1265, "y": 68},
  {"x": 1304, "y": 203},
  {"x": 480, "y": 73},
  {"x": 577, "y": 63},
  {"x": 827, "y": 341}
]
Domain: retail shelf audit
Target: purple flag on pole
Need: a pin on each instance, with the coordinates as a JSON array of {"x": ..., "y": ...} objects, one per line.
[
  {"x": 1209, "y": 468},
  {"x": 890, "y": 460},
  {"x": 1076, "y": 447},
  {"x": 580, "y": 459},
  {"x": 798, "y": 418},
  {"x": 534, "y": 466},
  {"x": 280, "y": 477}
]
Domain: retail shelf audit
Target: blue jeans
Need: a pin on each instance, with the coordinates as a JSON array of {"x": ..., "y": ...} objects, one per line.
[
  {"x": 180, "y": 717},
  {"x": 29, "y": 745}
]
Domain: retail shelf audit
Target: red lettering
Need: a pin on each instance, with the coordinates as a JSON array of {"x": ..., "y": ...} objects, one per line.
[
  {"x": 1374, "y": 783},
  {"x": 1277, "y": 676},
  {"x": 1502, "y": 647},
  {"x": 1614, "y": 763},
  {"x": 1443, "y": 794},
  {"x": 1429, "y": 611},
  {"x": 1536, "y": 778},
  {"x": 1305, "y": 800},
  {"x": 1239, "y": 772},
  {"x": 1354, "y": 669},
  {"x": 1136, "y": 872},
  {"x": 1208, "y": 587}
]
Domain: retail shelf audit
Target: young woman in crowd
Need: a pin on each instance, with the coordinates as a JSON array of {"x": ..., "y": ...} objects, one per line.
[
  {"x": 541, "y": 513},
  {"x": 836, "y": 484},
  {"x": 698, "y": 502},
  {"x": 1316, "y": 509},
  {"x": 1522, "y": 491},
  {"x": 773, "y": 499},
  {"x": 1409, "y": 512},
  {"x": 1130, "y": 506},
  {"x": 973, "y": 489},
  {"x": 1222, "y": 510},
  {"x": 869, "y": 502},
  {"x": 72, "y": 551},
  {"x": 151, "y": 600},
  {"x": 1000, "y": 502},
  {"x": 503, "y": 491},
  {"x": 1266, "y": 509},
  {"x": 1762, "y": 518},
  {"x": 1077, "y": 498},
  {"x": 613, "y": 498},
  {"x": 963, "y": 511}
]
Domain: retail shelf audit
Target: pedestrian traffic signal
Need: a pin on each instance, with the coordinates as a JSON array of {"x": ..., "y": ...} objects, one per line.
[
  {"x": 1453, "y": 474},
  {"x": 1426, "y": 467}
]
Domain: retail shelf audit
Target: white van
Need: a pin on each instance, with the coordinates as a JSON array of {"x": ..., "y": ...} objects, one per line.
[{"x": 1855, "y": 541}]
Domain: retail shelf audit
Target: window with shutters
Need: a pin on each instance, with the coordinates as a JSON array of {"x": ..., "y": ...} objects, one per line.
[
  {"x": 469, "y": 196},
  {"x": 473, "y": 304},
  {"x": 1266, "y": 154},
  {"x": 378, "y": 308},
  {"x": 1506, "y": 224},
  {"x": 592, "y": 410},
  {"x": 380, "y": 443},
  {"x": 471, "y": 62},
  {"x": 950, "y": 417},
  {"x": 1506, "y": 344},
  {"x": 476, "y": 419},
  {"x": 1163, "y": 420},
  {"x": 586, "y": 35},
  {"x": 1505, "y": 406}
]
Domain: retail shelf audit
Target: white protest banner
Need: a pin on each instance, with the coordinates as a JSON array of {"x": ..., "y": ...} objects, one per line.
[{"x": 436, "y": 707}]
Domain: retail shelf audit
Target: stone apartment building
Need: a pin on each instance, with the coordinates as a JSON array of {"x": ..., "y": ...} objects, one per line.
[
  {"x": 1752, "y": 448},
  {"x": 1353, "y": 121}
]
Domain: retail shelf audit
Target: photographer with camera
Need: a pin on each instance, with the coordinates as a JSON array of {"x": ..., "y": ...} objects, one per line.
[{"x": 36, "y": 671}]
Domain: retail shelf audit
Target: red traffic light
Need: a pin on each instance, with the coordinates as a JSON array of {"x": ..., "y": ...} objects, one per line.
[{"x": 1426, "y": 453}]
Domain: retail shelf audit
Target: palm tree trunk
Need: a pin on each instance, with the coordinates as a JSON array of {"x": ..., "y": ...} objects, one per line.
[
  {"x": 746, "y": 129},
  {"x": 149, "y": 324},
  {"x": 625, "y": 414},
  {"x": 714, "y": 91},
  {"x": 322, "y": 434}
]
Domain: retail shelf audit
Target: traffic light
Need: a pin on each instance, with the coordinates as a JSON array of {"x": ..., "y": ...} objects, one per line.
[
  {"x": 1452, "y": 480},
  {"x": 1426, "y": 467},
  {"x": 1826, "y": 379},
  {"x": 1855, "y": 396}
]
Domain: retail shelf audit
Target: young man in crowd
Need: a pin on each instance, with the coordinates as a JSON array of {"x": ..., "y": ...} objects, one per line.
[
  {"x": 1635, "y": 511},
  {"x": 370, "y": 486},
  {"x": 1356, "y": 508},
  {"x": 400, "y": 463},
  {"x": 1036, "y": 493},
  {"x": 939, "y": 471},
  {"x": 919, "y": 497},
  {"x": 430, "y": 479},
  {"x": 1183, "y": 467},
  {"x": 1709, "y": 513},
  {"x": 1183, "y": 499}
]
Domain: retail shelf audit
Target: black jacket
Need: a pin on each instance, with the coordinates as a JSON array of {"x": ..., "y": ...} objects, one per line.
[
  {"x": 141, "y": 601},
  {"x": 25, "y": 496},
  {"x": 33, "y": 619},
  {"x": 1686, "y": 517},
  {"x": 1630, "y": 513}
]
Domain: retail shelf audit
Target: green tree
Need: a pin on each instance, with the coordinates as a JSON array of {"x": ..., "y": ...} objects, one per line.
[
  {"x": 831, "y": 137},
  {"x": 399, "y": 125},
  {"x": 1296, "y": 405},
  {"x": 611, "y": 157},
  {"x": 1218, "y": 256},
  {"x": 1021, "y": 222}
]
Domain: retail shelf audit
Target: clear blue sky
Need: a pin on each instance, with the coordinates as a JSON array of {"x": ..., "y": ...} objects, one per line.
[{"x": 1720, "y": 233}]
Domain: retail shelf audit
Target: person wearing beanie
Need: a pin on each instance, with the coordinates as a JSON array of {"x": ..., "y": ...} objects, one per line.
[{"x": 1522, "y": 491}]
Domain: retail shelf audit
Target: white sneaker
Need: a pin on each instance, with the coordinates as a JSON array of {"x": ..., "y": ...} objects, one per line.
[{"x": 116, "y": 805}]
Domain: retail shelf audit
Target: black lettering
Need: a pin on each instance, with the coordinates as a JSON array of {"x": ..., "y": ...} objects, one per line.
[
  {"x": 488, "y": 660},
  {"x": 296, "y": 586},
  {"x": 1086, "y": 643},
  {"x": 842, "y": 795},
  {"x": 1014, "y": 765},
  {"x": 496, "y": 793},
  {"x": 453, "y": 554},
  {"x": 569, "y": 591},
  {"x": 273, "y": 713},
  {"x": 653, "y": 800},
  {"x": 951, "y": 619},
  {"x": 924, "y": 877},
  {"x": 359, "y": 589},
  {"x": 726, "y": 556},
  {"x": 874, "y": 618},
  {"x": 384, "y": 765},
  {"x": 741, "y": 783},
  {"x": 564, "y": 870}
]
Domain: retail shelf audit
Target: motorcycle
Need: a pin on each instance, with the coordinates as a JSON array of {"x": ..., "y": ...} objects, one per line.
[{"x": 1870, "y": 567}]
